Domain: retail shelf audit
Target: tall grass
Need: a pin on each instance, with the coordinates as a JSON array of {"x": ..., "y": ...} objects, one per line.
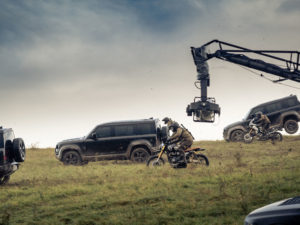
[{"x": 240, "y": 178}]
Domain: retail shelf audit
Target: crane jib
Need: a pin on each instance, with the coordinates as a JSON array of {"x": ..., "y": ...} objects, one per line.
[{"x": 204, "y": 108}]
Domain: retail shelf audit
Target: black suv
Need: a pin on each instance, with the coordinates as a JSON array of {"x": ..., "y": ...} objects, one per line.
[
  {"x": 285, "y": 212},
  {"x": 283, "y": 113},
  {"x": 135, "y": 140},
  {"x": 12, "y": 153}
]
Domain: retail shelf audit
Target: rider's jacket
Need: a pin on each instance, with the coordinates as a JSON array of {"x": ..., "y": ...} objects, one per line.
[
  {"x": 170, "y": 122},
  {"x": 265, "y": 119},
  {"x": 262, "y": 120},
  {"x": 181, "y": 135}
]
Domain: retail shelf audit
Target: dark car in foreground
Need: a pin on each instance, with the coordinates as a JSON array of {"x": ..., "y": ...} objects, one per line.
[
  {"x": 283, "y": 113},
  {"x": 285, "y": 212},
  {"x": 12, "y": 153},
  {"x": 135, "y": 140}
]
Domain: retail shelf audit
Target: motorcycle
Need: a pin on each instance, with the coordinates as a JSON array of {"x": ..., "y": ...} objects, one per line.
[
  {"x": 192, "y": 156},
  {"x": 176, "y": 158},
  {"x": 271, "y": 134}
]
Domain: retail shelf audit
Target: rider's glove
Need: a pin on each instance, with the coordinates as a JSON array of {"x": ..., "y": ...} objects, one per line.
[
  {"x": 168, "y": 141},
  {"x": 176, "y": 148}
]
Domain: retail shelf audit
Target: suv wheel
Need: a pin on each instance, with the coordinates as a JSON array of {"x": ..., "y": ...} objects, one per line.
[
  {"x": 291, "y": 126},
  {"x": 4, "y": 180},
  {"x": 237, "y": 135},
  {"x": 139, "y": 155},
  {"x": 72, "y": 158},
  {"x": 19, "y": 150}
]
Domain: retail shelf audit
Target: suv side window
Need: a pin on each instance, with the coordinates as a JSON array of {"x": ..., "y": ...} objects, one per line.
[
  {"x": 289, "y": 103},
  {"x": 102, "y": 132},
  {"x": 124, "y": 130},
  {"x": 273, "y": 107},
  {"x": 1, "y": 141},
  {"x": 8, "y": 137},
  {"x": 146, "y": 128},
  {"x": 255, "y": 110}
]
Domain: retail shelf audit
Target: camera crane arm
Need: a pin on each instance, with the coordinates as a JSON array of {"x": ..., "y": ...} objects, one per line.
[{"x": 204, "y": 110}]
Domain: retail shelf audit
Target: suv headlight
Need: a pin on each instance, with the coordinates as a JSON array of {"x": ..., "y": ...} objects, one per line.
[{"x": 56, "y": 150}]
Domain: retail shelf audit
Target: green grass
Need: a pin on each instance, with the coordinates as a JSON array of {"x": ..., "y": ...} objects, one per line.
[{"x": 239, "y": 179}]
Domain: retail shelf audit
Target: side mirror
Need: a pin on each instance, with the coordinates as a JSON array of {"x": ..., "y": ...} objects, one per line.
[{"x": 94, "y": 136}]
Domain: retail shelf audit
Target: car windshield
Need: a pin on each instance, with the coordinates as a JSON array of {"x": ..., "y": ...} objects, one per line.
[{"x": 247, "y": 115}]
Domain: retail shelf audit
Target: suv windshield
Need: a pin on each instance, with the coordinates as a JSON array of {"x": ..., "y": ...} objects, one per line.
[{"x": 247, "y": 115}]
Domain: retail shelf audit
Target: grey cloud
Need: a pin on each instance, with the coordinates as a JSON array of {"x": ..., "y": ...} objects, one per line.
[
  {"x": 28, "y": 21},
  {"x": 75, "y": 40},
  {"x": 289, "y": 6},
  {"x": 103, "y": 54}
]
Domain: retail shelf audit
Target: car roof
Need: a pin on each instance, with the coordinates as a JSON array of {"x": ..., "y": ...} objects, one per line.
[
  {"x": 277, "y": 100},
  {"x": 130, "y": 121},
  {"x": 2, "y": 130}
]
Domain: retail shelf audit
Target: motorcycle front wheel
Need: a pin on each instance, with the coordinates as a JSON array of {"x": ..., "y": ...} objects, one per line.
[
  {"x": 248, "y": 138},
  {"x": 276, "y": 136},
  {"x": 200, "y": 159},
  {"x": 153, "y": 161}
]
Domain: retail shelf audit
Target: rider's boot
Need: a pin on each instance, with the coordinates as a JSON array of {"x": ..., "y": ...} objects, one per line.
[{"x": 183, "y": 162}]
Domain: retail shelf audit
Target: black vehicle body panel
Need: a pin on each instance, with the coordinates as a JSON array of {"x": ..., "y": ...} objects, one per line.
[
  {"x": 113, "y": 140},
  {"x": 277, "y": 111},
  {"x": 285, "y": 212},
  {"x": 7, "y": 166}
]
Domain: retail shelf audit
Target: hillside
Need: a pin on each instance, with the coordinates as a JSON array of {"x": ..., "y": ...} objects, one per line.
[{"x": 240, "y": 178}]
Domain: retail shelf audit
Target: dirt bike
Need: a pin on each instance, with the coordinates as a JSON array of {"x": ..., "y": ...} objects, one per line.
[
  {"x": 192, "y": 156},
  {"x": 175, "y": 157},
  {"x": 270, "y": 134}
]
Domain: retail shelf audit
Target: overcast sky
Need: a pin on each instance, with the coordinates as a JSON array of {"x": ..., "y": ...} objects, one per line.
[{"x": 67, "y": 66}]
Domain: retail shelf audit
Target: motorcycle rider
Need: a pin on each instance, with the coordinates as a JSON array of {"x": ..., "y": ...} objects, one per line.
[
  {"x": 168, "y": 121},
  {"x": 262, "y": 121},
  {"x": 182, "y": 138}
]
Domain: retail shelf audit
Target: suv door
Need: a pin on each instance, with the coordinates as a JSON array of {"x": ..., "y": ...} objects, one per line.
[
  {"x": 273, "y": 111},
  {"x": 124, "y": 134},
  {"x": 102, "y": 143}
]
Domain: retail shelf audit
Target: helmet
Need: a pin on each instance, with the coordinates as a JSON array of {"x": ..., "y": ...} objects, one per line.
[
  {"x": 166, "y": 119},
  {"x": 258, "y": 114},
  {"x": 174, "y": 126}
]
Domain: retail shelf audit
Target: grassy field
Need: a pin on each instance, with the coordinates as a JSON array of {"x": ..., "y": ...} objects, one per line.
[{"x": 240, "y": 178}]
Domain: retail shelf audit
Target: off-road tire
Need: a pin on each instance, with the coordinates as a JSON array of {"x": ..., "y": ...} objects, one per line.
[
  {"x": 4, "y": 180},
  {"x": 71, "y": 158},
  {"x": 19, "y": 150},
  {"x": 139, "y": 155},
  {"x": 276, "y": 137},
  {"x": 248, "y": 138},
  {"x": 152, "y": 161},
  {"x": 200, "y": 159},
  {"x": 236, "y": 135},
  {"x": 291, "y": 126}
]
